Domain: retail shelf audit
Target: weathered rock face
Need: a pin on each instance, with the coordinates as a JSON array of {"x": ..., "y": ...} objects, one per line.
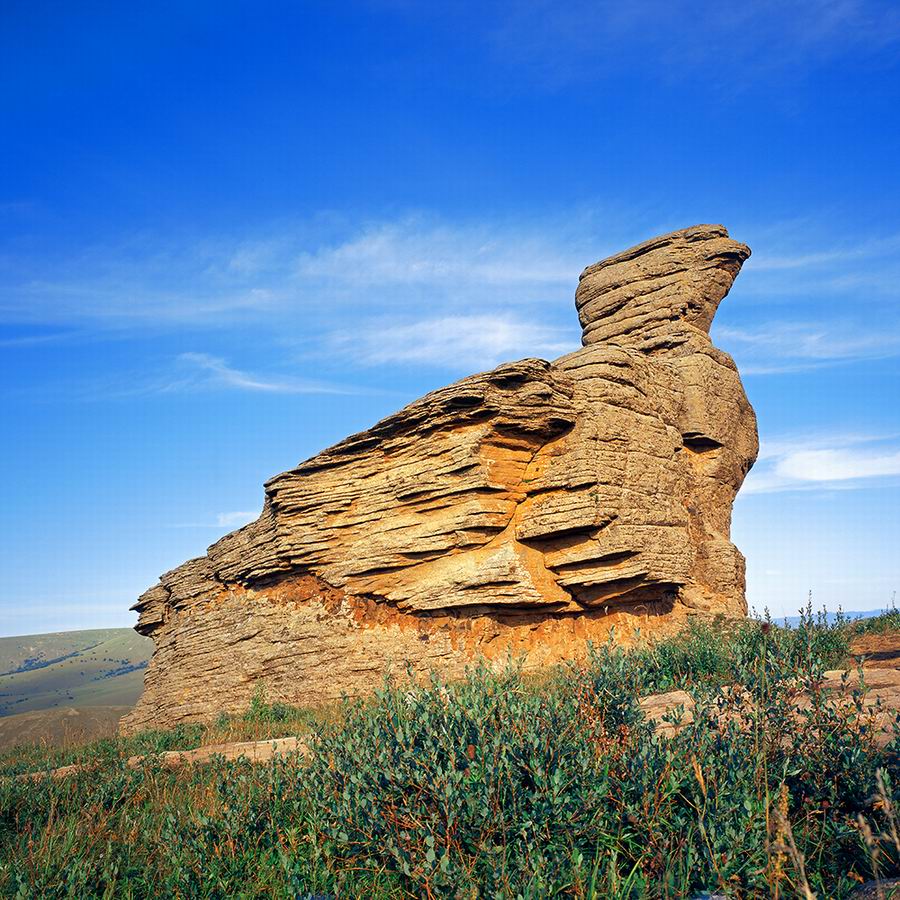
[{"x": 525, "y": 510}]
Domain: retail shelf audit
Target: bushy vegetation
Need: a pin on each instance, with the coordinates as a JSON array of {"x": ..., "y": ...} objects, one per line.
[
  {"x": 497, "y": 785},
  {"x": 260, "y": 721},
  {"x": 887, "y": 622},
  {"x": 716, "y": 653}
]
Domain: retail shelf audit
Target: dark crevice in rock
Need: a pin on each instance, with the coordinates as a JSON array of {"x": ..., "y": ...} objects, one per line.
[
  {"x": 609, "y": 559},
  {"x": 700, "y": 443}
]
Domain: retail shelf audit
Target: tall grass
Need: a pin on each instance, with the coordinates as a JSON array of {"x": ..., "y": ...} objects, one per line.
[{"x": 498, "y": 785}]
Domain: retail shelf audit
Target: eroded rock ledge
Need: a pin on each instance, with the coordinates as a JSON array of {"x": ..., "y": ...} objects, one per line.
[{"x": 525, "y": 510}]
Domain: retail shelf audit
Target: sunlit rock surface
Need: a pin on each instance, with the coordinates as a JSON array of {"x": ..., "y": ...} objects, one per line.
[{"x": 521, "y": 511}]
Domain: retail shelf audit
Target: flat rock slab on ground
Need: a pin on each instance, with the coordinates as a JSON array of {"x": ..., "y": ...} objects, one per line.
[
  {"x": 253, "y": 751},
  {"x": 881, "y": 651},
  {"x": 672, "y": 710}
]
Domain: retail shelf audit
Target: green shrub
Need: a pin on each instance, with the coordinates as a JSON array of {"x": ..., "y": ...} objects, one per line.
[
  {"x": 496, "y": 785},
  {"x": 487, "y": 787},
  {"x": 888, "y": 621}
]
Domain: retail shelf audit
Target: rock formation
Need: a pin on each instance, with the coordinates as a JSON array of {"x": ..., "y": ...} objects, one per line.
[{"x": 522, "y": 511}]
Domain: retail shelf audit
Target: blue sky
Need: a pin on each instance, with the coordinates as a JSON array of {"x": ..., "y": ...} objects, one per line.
[{"x": 233, "y": 233}]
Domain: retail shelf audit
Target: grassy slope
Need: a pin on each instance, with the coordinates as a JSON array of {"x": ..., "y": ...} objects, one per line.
[
  {"x": 103, "y": 667},
  {"x": 60, "y": 727},
  {"x": 15, "y": 651}
]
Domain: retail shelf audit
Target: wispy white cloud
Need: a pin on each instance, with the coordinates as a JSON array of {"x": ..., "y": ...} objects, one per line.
[
  {"x": 841, "y": 291},
  {"x": 837, "y": 465},
  {"x": 807, "y": 261},
  {"x": 134, "y": 302},
  {"x": 466, "y": 342},
  {"x": 303, "y": 275},
  {"x": 142, "y": 281},
  {"x": 837, "y": 461},
  {"x": 771, "y": 449},
  {"x": 224, "y": 521},
  {"x": 191, "y": 373},
  {"x": 582, "y": 40},
  {"x": 781, "y": 347},
  {"x": 14, "y": 341},
  {"x": 419, "y": 251},
  {"x": 456, "y": 294},
  {"x": 840, "y": 253},
  {"x": 235, "y": 519},
  {"x": 216, "y": 372}
]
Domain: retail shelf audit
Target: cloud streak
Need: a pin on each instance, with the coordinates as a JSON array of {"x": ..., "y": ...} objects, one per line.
[
  {"x": 840, "y": 255},
  {"x": 228, "y": 521},
  {"x": 415, "y": 251},
  {"x": 193, "y": 373},
  {"x": 837, "y": 465},
  {"x": 827, "y": 462},
  {"x": 583, "y": 40},
  {"x": 303, "y": 273},
  {"x": 775, "y": 348},
  {"x": 466, "y": 342},
  {"x": 801, "y": 262},
  {"x": 235, "y": 519},
  {"x": 450, "y": 294},
  {"x": 216, "y": 372}
]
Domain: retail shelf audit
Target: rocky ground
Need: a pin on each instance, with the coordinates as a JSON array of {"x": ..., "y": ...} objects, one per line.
[
  {"x": 881, "y": 651},
  {"x": 879, "y": 655}
]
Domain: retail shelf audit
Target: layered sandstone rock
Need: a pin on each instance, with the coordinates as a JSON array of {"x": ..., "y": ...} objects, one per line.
[{"x": 522, "y": 511}]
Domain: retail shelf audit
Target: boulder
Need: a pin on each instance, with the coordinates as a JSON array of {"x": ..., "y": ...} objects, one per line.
[{"x": 522, "y": 511}]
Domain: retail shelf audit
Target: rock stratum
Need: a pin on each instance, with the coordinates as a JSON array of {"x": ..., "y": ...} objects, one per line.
[{"x": 522, "y": 511}]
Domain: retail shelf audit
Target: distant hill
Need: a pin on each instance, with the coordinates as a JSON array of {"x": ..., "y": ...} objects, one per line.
[
  {"x": 97, "y": 668},
  {"x": 831, "y": 617}
]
